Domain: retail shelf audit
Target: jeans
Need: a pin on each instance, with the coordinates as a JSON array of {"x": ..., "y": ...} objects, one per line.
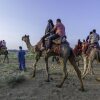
[
  {"x": 43, "y": 38},
  {"x": 51, "y": 38}
]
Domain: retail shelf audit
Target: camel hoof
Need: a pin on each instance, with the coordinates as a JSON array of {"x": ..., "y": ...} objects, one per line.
[
  {"x": 47, "y": 80},
  {"x": 51, "y": 78},
  {"x": 82, "y": 89},
  {"x": 58, "y": 86},
  {"x": 33, "y": 75},
  {"x": 98, "y": 79}
]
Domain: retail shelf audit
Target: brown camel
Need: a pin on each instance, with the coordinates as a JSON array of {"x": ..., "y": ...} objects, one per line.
[
  {"x": 89, "y": 58},
  {"x": 88, "y": 61},
  {"x": 4, "y": 51},
  {"x": 78, "y": 53},
  {"x": 65, "y": 53}
]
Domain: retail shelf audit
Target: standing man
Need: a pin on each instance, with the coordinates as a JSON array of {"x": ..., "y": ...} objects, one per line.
[{"x": 21, "y": 59}]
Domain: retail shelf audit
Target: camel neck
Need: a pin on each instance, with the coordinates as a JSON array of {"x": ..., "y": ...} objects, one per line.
[{"x": 29, "y": 46}]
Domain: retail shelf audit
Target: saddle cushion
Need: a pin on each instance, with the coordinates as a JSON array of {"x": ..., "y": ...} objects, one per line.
[{"x": 56, "y": 48}]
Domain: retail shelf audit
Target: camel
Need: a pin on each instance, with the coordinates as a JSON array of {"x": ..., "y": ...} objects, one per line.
[
  {"x": 65, "y": 53},
  {"x": 78, "y": 54},
  {"x": 88, "y": 61},
  {"x": 4, "y": 51}
]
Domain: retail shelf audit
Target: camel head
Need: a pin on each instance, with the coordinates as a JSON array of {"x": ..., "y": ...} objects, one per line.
[{"x": 25, "y": 38}]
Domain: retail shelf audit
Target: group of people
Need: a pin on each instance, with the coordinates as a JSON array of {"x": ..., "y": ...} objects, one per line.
[
  {"x": 52, "y": 32},
  {"x": 93, "y": 38},
  {"x": 92, "y": 41},
  {"x": 2, "y": 43}
]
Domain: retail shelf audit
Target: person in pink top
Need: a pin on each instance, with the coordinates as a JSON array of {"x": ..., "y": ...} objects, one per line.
[{"x": 59, "y": 29}]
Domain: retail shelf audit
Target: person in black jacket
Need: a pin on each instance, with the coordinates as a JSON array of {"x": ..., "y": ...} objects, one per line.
[{"x": 48, "y": 29}]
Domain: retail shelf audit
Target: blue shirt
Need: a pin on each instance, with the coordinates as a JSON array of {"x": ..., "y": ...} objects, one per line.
[{"x": 21, "y": 56}]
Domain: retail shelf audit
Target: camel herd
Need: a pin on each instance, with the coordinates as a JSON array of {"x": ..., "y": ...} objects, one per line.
[
  {"x": 88, "y": 59},
  {"x": 66, "y": 54}
]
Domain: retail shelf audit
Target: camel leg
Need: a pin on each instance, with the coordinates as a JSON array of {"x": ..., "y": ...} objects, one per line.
[
  {"x": 34, "y": 65},
  {"x": 85, "y": 66},
  {"x": 72, "y": 61},
  {"x": 78, "y": 63},
  {"x": 47, "y": 69},
  {"x": 90, "y": 67},
  {"x": 65, "y": 74},
  {"x": 6, "y": 57}
]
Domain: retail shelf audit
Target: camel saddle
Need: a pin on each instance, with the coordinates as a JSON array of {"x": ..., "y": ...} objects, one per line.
[
  {"x": 3, "y": 48},
  {"x": 58, "y": 40},
  {"x": 90, "y": 47},
  {"x": 56, "y": 44}
]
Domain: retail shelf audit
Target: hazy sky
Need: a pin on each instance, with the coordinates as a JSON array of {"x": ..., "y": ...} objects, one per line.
[{"x": 19, "y": 17}]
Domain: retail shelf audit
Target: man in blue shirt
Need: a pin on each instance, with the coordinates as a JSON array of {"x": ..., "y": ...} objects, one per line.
[{"x": 21, "y": 59}]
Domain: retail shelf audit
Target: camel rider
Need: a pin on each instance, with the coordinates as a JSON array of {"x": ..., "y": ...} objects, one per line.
[
  {"x": 84, "y": 46},
  {"x": 94, "y": 39},
  {"x": 87, "y": 39},
  {"x": 48, "y": 29},
  {"x": 4, "y": 43},
  {"x": 79, "y": 43},
  {"x": 59, "y": 29}
]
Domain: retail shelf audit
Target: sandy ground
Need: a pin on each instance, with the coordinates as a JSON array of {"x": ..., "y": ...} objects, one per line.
[{"x": 38, "y": 89}]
